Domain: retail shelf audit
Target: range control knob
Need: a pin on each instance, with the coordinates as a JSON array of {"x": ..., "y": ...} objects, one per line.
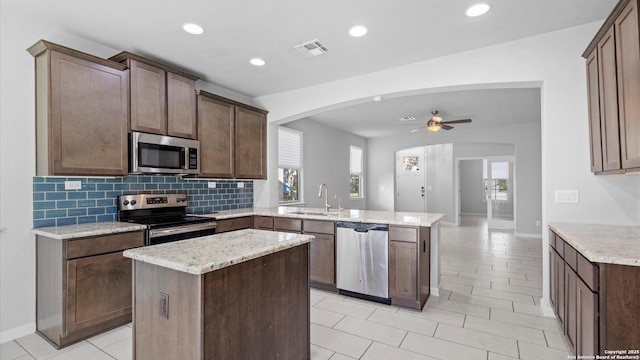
[
  {"x": 133, "y": 202},
  {"x": 125, "y": 203},
  {"x": 184, "y": 199}
]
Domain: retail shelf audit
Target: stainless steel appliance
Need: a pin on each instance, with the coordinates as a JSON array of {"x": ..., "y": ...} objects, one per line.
[
  {"x": 157, "y": 154},
  {"x": 362, "y": 264},
  {"x": 165, "y": 217}
]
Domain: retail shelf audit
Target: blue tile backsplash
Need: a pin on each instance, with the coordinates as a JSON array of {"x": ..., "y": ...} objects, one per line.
[{"x": 96, "y": 201}]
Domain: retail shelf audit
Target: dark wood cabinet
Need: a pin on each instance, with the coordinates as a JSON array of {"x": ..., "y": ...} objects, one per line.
[
  {"x": 232, "y": 224},
  {"x": 83, "y": 285},
  {"x": 250, "y": 144},
  {"x": 263, "y": 222},
  {"x": 215, "y": 132},
  {"x": 409, "y": 272},
  {"x": 596, "y": 304},
  {"x": 287, "y": 224},
  {"x": 613, "y": 80},
  {"x": 163, "y": 99},
  {"x": 81, "y": 113},
  {"x": 233, "y": 138},
  {"x": 322, "y": 253}
]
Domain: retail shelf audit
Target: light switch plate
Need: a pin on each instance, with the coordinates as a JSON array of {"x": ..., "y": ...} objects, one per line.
[
  {"x": 240, "y": 185},
  {"x": 567, "y": 196},
  {"x": 211, "y": 185},
  {"x": 72, "y": 185}
]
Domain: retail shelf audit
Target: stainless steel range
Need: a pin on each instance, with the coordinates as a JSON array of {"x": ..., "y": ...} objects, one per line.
[{"x": 165, "y": 217}]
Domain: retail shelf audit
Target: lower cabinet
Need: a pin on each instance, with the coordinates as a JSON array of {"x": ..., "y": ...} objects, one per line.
[
  {"x": 83, "y": 286},
  {"x": 596, "y": 304},
  {"x": 232, "y": 224},
  {"x": 409, "y": 266},
  {"x": 322, "y": 253}
]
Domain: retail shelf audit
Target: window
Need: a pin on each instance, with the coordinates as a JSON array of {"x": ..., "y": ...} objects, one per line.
[
  {"x": 289, "y": 165},
  {"x": 355, "y": 169},
  {"x": 498, "y": 189}
]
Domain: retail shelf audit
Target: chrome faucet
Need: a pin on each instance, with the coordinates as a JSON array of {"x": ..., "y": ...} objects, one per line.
[
  {"x": 337, "y": 196},
  {"x": 326, "y": 196}
]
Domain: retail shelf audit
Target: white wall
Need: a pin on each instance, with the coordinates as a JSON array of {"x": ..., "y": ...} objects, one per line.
[
  {"x": 551, "y": 60},
  {"x": 440, "y": 184},
  {"x": 326, "y": 160}
]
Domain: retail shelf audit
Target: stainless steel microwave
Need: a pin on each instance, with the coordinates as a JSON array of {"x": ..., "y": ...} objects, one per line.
[{"x": 157, "y": 154}]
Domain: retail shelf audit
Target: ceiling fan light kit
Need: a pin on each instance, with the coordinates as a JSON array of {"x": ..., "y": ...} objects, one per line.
[{"x": 436, "y": 123}]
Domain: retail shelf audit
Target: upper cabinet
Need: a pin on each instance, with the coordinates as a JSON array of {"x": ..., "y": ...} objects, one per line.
[
  {"x": 613, "y": 81},
  {"x": 163, "y": 99},
  {"x": 81, "y": 113},
  {"x": 233, "y": 138}
]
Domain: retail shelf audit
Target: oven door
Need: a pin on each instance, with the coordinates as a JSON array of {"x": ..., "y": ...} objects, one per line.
[
  {"x": 175, "y": 233},
  {"x": 153, "y": 154}
]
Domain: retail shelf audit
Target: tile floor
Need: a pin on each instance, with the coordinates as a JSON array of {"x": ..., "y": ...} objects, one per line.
[{"x": 488, "y": 310}]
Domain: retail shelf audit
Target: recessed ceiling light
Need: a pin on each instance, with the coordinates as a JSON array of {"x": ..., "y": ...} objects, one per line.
[
  {"x": 478, "y": 9},
  {"x": 358, "y": 31},
  {"x": 257, "y": 62},
  {"x": 377, "y": 98},
  {"x": 192, "y": 28}
]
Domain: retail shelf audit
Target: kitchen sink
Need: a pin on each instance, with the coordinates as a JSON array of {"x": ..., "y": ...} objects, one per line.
[{"x": 315, "y": 213}]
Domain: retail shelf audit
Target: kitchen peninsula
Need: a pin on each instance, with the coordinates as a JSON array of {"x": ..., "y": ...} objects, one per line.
[{"x": 237, "y": 295}]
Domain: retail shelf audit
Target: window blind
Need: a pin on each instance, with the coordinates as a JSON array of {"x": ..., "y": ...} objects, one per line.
[
  {"x": 355, "y": 162},
  {"x": 289, "y": 148}
]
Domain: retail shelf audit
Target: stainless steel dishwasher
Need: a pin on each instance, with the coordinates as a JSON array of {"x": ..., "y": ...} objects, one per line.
[{"x": 362, "y": 266}]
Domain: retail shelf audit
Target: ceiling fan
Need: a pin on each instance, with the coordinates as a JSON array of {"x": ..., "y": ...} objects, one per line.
[{"x": 436, "y": 123}]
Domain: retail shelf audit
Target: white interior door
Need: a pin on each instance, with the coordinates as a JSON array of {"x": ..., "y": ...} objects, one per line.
[
  {"x": 499, "y": 183},
  {"x": 411, "y": 180}
]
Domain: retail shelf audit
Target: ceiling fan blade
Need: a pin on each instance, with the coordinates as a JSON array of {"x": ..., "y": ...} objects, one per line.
[
  {"x": 457, "y": 121},
  {"x": 446, "y": 127},
  {"x": 418, "y": 129}
]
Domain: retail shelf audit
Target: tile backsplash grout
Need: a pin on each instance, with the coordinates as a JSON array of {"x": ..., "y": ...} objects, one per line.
[{"x": 96, "y": 201}]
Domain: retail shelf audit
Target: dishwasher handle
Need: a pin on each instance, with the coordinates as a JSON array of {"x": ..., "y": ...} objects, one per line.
[{"x": 362, "y": 227}]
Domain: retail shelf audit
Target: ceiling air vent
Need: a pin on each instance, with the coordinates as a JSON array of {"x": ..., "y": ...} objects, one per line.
[
  {"x": 312, "y": 48},
  {"x": 406, "y": 118}
]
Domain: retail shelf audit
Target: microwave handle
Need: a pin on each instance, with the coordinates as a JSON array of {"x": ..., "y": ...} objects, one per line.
[{"x": 183, "y": 158}]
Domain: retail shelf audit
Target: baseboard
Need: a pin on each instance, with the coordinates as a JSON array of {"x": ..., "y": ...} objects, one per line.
[
  {"x": 547, "y": 309},
  {"x": 536, "y": 236},
  {"x": 17, "y": 332},
  {"x": 434, "y": 290},
  {"x": 447, "y": 223}
]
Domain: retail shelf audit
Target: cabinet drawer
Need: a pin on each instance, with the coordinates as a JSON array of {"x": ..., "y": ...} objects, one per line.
[
  {"x": 103, "y": 244},
  {"x": 403, "y": 234},
  {"x": 263, "y": 222},
  {"x": 287, "y": 224},
  {"x": 320, "y": 227},
  {"x": 588, "y": 272},
  {"x": 570, "y": 256},
  {"x": 240, "y": 223}
]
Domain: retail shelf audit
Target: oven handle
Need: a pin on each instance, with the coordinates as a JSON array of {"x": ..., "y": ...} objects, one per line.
[{"x": 182, "y": 229}]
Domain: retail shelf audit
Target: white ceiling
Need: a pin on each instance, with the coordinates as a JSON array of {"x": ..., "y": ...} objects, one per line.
[{"x": 400, "y": 32}]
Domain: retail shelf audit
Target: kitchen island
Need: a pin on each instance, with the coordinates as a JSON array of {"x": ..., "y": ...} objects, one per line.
[{"x": 237, "y": 295}]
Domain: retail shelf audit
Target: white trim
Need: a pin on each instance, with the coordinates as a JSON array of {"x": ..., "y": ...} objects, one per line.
[
  {"x": 547, "y": 309},
  {"x": 17, "y": 332},
  {"x": 536, "y": 236}
]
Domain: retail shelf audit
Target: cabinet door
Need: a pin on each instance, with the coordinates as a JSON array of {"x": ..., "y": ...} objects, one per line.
[
  {"x": 215, "y": 133},
  {"x": 181, "y": 106},
  {"x": 322, "y": 259},
  {"x": 148, "y": 98},
  {"x": 88, "y": 118},
  {"x": 250, "y": 144},
  {"x": 403, "y": 270},
  {"x": 628, "y": 67},
  {"x": 587, "y": 320},
  {"x": 571, "y": 327},
  {"x": 553, "y": 270},
  {"x": 560, "y": 288},
  {"x": 594, "y": 112},
  {"x": 98, "y": 289},
  {"x": 609, "y": 126},
  {"x": 232, "y": 224}
]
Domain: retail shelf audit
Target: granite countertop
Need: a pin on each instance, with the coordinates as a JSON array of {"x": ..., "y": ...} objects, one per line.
[
  {"x": 85, "y": 230},
  {"x": 609, "y": 244},
  {"x": 369, "y": 216},
  {"x": 208, "y": 253}
]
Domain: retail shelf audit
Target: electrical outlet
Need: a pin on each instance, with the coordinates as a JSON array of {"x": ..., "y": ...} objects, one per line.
[
  {"x": 72, "y": 185},
  {"x": 211, "y": 185},
  {"x": 164, "y": 305},
  {"x": 240, "y": 185}
]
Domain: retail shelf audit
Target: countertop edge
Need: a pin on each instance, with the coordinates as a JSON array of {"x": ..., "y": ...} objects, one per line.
[
  {"x": 587, "y": 252},
  {"x": 138, "y": 254},
  {"x": 92, "y": 229}
]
